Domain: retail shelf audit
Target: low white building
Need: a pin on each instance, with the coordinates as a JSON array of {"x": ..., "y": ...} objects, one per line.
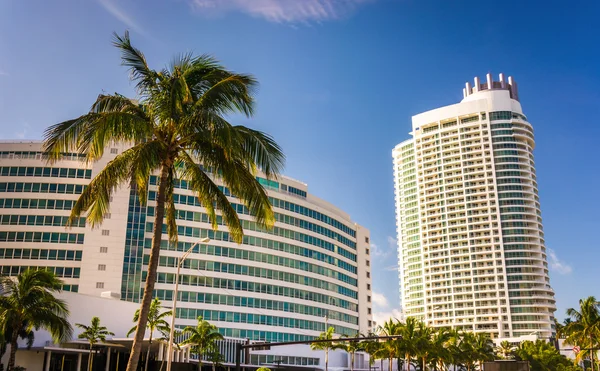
[{"x": 117, "y": 316}]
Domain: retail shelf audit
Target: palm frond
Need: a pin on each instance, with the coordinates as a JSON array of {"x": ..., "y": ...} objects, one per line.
[
  {"x": 133, "y": 58},
  {"x": 210, "y": 195}
]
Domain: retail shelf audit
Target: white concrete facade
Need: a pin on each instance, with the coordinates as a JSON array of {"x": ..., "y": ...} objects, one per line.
[
  {"x": 284, "y": 284},
  {"x": 470, "y": 240}
]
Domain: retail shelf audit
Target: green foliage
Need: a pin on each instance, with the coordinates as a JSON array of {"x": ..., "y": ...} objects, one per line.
[
  {"x": 178, "y": 122},
  {"x": 93, "y": 334},
  {"x": 263, "y": 369},
  {"x": 27, "y": 303},
  {"x": 583, "y": 327},
  {"x": 202, "y": 339},
  {"x": 156, "y": 320},
  {"x": 543, "y": 356}
]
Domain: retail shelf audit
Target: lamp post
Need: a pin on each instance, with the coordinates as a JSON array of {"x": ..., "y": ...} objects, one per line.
[{"x": 180, "y": 261}]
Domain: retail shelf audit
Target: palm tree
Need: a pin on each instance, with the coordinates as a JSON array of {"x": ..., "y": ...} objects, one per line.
[
  {"x": 409, "y": 343},
  {"x": 584, "y": 330},
  {"x": 156, "y": 321},
  {"x": 28, "y": 303},
  {"x": 326, "y": 346},
  {"x": 505, "y": 350},
  {"x": 93, "y": 334},
  {"x": 178, "y": 122},
  {"x": 390, "y": 347},
  {"x": 483, "y": 348},
  {"x": 372, "y": 348},
  {"x": 440, "y": 348},
  {"x": 425, "y": 344},
  {"x": 351, "y": 347},
  {"x": 202, "y": 338}
]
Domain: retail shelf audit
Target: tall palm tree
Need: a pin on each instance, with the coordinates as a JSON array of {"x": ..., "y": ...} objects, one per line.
[
  {"x": 483, "y": 348},
  {"x": 177, "y": 122},
  {"x": 93, "y": 334},
  {"x": 156, "y": 322},
  {"x": 202, "y": 339},
  {"x": 27, "y": 302},
  {"x": 390, "y": 347},
  {"x": 372, "y": 347},
  {"x": 440, "y": 348},
  {"x": 425, "y": 344},
  {"x": 409, "y": 343},
  {"x": 326, "y": 346},
  {"x": 351, "y": 347},
  {"x": 584, "y": 330}
]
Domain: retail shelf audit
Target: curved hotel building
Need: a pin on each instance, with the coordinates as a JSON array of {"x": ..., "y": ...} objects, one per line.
[
  {"x": 310, "y": 271},
  {"x": 471, "y": 244}
]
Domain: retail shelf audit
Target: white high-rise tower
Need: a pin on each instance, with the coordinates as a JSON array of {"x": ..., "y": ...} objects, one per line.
[{"x": 471, "y": 244}]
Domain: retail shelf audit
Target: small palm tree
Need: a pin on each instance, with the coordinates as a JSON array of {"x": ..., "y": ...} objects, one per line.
[
  {"x": 351, "y": 347},
  {"x": 372, "y": 347},
  {"x": 202, "y": 339},
  {"x": 505, "y": 350},
  {"x": 326, "y": 346},
  {"x": 177, "y": 129},
  {"x": 156, "y": 322},
  {"x": 93, "y": 334},
  {"x": 28, "y": 303}
]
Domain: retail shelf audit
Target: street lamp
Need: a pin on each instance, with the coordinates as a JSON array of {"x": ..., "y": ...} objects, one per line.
[{"x": 180, "y": 261}]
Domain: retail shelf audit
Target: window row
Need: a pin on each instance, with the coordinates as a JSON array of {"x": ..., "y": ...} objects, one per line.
[
  {"x": 62, "y": 272},
  {"x": 219, "y": 235},
  {"x": 290, "y": 206},
  {"x": 263, "y": 288},
  {"x": 52, "y": 172},
  {"x": 249, "y": 302},
  {"x": 51, "y": 237},
  {"x": 245, "y": 270},
  {"x": 170, "y": 261},
  {"x": 32, "y": 155},
  {"x": 41, "y": 254},
  {"x": 34, "y": 203},
  {"x": 40, "y": 220},
  {"x": 260, "y": 319},
  {"x": 41, "y": 188}
]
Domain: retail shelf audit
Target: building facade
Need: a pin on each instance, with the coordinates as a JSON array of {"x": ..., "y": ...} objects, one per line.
[
  {"x": 310, "y": 271},
  {"x": 471, "y": 244}
]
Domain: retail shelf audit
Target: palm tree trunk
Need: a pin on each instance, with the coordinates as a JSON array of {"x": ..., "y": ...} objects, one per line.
[
  {"x": 381, "y": 361},
  {"x": 352, "y": 361},
  {"x": 390, "y": 364},
  {"x": 138, "y": 340},
  {"x": 424, "y": 362},
  {"x": 90, "y": 365},
  {"x": 407, "y": 360},
  {"x": 148, "y": 351},
  {"x": 13, "y": 349},
  {"x": 326, "y": 358}
]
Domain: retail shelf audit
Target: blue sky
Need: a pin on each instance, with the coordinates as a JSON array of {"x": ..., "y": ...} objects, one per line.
[{"x": 340, "y": 80}]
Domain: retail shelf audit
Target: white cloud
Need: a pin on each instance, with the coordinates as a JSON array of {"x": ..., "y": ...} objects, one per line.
[
  {"x": 4, "y": 73},
  {"x": 391, "y": 249},
  {"x": 283, "y": 11},
  {"x": 558, "y": 265},
  {"x": 21, "y": 134},
  {"x": 381, "y": 317},
  {"x": 391, "y": 268},
  {"x": 379, "y": 300},
  {"x": 122, "y": 16}
]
